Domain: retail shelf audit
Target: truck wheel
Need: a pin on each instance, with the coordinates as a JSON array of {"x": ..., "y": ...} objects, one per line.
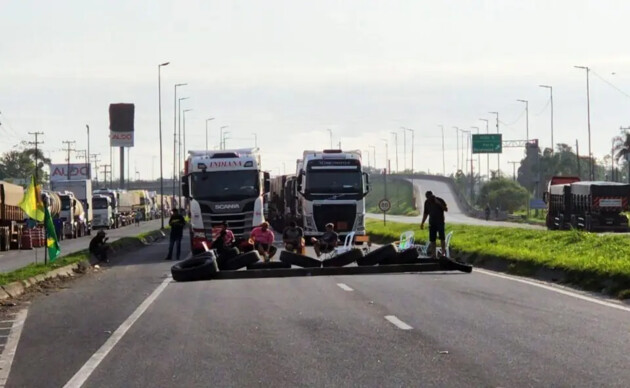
[
  {"x": 242, "y": 261},
  {"x": 343, "y": 259},
  {"x": 226, "y": 255},
  {"x": 269, "y": 265},
  {"x": 408, "y": 256},
  {"x": 378, "y": 255},
  {"x": 195, "y": 268},
  {"x": 299, "y": 260}
]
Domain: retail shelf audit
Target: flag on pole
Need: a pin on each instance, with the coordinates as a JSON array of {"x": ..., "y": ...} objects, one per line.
[
  {"x": 52, "y": 244},
  {"x": 32, "y": 202}
]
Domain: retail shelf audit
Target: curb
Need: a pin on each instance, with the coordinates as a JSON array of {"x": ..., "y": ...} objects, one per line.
[{"x": 18, "y": 288}]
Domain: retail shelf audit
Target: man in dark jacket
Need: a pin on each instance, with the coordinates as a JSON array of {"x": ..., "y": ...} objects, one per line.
[
  {"x": 177, "y": 223},
  {"x": 434, "y": 208},
  {"x": 98, "y": 246}
]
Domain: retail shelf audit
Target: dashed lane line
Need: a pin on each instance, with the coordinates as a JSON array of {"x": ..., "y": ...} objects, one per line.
[
  {"x": 344, "y": 287},
  {"x": 6, "y": 358},
  {"x": 397, "y": 322},
  {"x": 88, "y": 368}
]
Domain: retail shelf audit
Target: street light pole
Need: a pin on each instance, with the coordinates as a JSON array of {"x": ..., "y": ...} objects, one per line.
[
  {"x": 184, "y": 135},
  {"x": 551, "y": 100},
  {"x": 179, "y": 146},
  {"x": 498, "y": 155},
  {"x": 330, "y": 131},
  {"x": 588, "y": 113},
  {"x": 175, "y": 112},
  {"x": 478, "y": 155},
  {"x": 487, "y": 155},
  {"x": 225, "y": 137},
  {"x": 443, "y": 152},
  {"x": 412, "y": 145},
  {"x": 526, "y": 118},
  {"x": 160, "y": 129},
  {"x": 221, "y": 144},
  {"x": 211, "y": 118},
  {"x": 457, "y": 137},
  {"x": 396, "y": 139}
]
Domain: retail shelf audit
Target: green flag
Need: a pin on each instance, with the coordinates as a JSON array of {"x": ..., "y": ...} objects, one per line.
[{"x": 52, "y": 244}]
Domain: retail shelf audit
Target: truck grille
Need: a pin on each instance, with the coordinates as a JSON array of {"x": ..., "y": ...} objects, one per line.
[
  {"x": 238, "y": 223},
  {"x": 342, "y": 216}
]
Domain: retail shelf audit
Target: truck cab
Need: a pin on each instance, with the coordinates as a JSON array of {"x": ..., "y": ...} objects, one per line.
[{"x": 102, "y": 211}]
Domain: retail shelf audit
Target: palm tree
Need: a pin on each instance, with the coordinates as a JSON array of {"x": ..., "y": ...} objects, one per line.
[{"x": 622, "y": 150}]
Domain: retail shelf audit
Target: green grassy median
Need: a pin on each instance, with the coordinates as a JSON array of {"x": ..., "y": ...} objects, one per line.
[{"x": 592, "y": 261}]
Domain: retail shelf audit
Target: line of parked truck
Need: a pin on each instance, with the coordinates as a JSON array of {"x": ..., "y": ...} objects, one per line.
[{"x": 76, "y": 209}]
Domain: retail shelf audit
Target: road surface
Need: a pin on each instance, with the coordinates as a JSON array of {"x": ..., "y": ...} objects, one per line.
[
  {"x": 455, "y": 214},
  {"x": 12, "y": 260},
  {"x": 130, "y": 326}
]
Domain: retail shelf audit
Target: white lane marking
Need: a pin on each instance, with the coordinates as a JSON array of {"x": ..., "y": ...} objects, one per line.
[
  {"x": 344, "y": 287},
  {"x": 555, "y": 289},
  {"x": 88, "y": 368},
  {"x": 397, "y": 322},
  {"x": 6, "y": 359}
]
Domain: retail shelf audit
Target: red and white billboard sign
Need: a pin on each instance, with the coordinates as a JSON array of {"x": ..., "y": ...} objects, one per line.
[
  {"x": 78, "y": 172},
  {"x": 120, "y": 139}
]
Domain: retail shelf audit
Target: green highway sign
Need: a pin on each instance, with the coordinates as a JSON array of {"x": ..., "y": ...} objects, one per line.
[{"x": 487, "y": 144}]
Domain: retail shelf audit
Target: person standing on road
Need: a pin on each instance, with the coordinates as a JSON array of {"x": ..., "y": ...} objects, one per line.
[
  {"x": 263, "y": 241},
  {"x": 434, "y": 208},
  {"x": 177, "y": 223}
]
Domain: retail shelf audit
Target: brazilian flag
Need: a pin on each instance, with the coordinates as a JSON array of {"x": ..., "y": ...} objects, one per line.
[{"x": 52, "y": 244}]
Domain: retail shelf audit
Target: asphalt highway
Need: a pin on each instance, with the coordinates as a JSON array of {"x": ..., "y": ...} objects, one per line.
[{"x": 131, "y": 326}]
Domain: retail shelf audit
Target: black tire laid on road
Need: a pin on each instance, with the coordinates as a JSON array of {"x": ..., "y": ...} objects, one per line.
[
  {"x": 385, "y": 252},
  {"x": 452, "y": 265},
  {"x": 195, "y": 268},
  {"x": 408, "y": 256},
  {"x": 343, "y": 259},
  {"x": 269, "y": 265},
  {"x": 299, "y": 260},
  {"x": 242, "y": 261},
  {"x": 226, "y": 255}
]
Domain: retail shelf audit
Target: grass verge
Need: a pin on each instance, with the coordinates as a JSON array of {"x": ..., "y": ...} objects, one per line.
[
  {"x": 399, "y": 193},
  {"x": 33, "y": 269},
  {"x": 592, "y": 261}
]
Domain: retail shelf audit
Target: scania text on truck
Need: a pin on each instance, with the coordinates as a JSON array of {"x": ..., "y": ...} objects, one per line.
[
  {"x": 592, "y": 206},
  {"x": 331, "y": 188},
  {"x": 225, "y": 185}
]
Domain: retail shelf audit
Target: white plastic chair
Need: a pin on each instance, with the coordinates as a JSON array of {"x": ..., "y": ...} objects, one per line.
[
  {"x": 406, "y": 240},
  {"x": 447, "y": 244},
  {"x": 347, "y": 244},
  {"x": 424, "y": 249}
]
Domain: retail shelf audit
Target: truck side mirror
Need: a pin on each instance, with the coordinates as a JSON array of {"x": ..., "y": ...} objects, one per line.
[
  {"x": 545, "y": 197},
  {"x": 366, "y": 176},
  {"x": 267, "y": 180},
  {"x": 185, "y": 187},
  {"x": 299, "y": 181}
]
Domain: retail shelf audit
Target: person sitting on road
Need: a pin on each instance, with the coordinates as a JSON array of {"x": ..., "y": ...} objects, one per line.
[
  {"x": 225, "y": 239},
  {"x": 434, "y": 208},
  {"x": 327, "y": 242},
  {"x": 263, "y": 241},
  {"x": 293, "y": 238},
  {"x": 99, "y": 247}
]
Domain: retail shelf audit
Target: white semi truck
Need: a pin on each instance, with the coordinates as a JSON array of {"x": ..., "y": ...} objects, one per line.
[
  {"x": 331, "y": 188},
  {"x": 224, "y": 185},
  {"x": 81, "y": 190},
  {"x": 103, "y": 212}
]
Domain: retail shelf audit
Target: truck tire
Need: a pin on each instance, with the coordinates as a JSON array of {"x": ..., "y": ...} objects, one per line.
[
  {"x": 226, "y": 255},
  {"x": 378, "y": 255},
  {"x": 299, "y": 260},
  {"x": 408, "y": 256},
  {"x": 343, "y": 259},
  {"x": 195, "y": 268},
  {"x": 269, "y": 265},
  {"x": 452, "y": 265},
  {"x": 242, "y": 261}
]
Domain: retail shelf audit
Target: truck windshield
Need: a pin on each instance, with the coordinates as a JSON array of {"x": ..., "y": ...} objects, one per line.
[
  {"x": 225, "y": 185},
  {"x": 99, "y": 203},
  {"x": 65, "y": 202},
  {"x": 334, "y": 181}
]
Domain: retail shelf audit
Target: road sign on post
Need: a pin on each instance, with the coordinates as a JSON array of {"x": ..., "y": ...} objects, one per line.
[
  {"x": 487, "y": 143},
  {"x": 384, "y": 205}
]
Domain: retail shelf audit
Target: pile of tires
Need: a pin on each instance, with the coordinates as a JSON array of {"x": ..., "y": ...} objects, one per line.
[
  {"x": 296, "y": 259},
  {"x": 241, "y": 261},
  {"x": 343, "y": 259},
  {"x": 201, "y": 267},
  {"x": 451, "y": 265},
  {"x": 378, "y": 256},
  {"x": 226, "y": 256},
  {"x": 408, "y": 256}
]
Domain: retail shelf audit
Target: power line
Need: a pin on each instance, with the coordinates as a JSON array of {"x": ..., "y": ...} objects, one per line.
[{"x": 610, "y": 84}]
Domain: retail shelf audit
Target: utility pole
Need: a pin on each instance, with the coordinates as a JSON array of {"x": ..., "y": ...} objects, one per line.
[
  {"x": 478, "y": 155},
  {"x": 498, "y": 155},
  {"x": 107, "y": 169},
  {"x": 396, "y": 139},
  {"x": 526, "y": 118},
  {"x": 221, "y": 142},
  {"x": 210, "y": 119},
  {"x": 175, "y": 114},
  {"x": 551, "y": 100},
  {"x": 577, "y": 155},
  {"x": 88, "y": 152},
  {"x": 95, "y": 158},
  {"x": 412, "y": 145},
  {"x": 69, "y": 149},
  {"x": 487, "y": 155},
  {"x": 457, "y": 137},
  {"x": 588, "y": 114},
  {"x": 514, "y": 169},
  {"x": 36, "y": 143}
]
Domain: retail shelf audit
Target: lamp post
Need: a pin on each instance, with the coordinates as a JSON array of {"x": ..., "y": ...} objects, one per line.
[
  {"x": 526, "y": 118},
  {"x": 498, "y": 155},
  {"x": 386, "y": 155},
  {"x": 184, "y": 134},
  {"x": 175, "y": 140},
  {"x": 179, "y": 145},
  {"x": 443, "y": 151},
  {"x": 330, "y": 131},
  {"x": 225, "y": 137},
  {"x": 551, "y": 101},
  {"x": 396, "y": 140},
  {"x": 211, "y": 118},
  {"x": 457, "y": 137},
  {"x": 487, "y": 155},
  {"x": 478, "y": 155},
  {"x": 221, "y": 144},
  {"x": 588, "y": 114},
  {"x": 160, "y": 129},
  {"x": 412, "y": 145}
]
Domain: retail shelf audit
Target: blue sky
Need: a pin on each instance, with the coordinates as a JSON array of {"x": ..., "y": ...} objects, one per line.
[{"x": 288, "y": 70}]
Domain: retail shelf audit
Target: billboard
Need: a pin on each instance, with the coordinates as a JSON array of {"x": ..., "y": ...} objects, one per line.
[
  {"x": 78, "y": 172},
  {"x": 121, "y": 118}
]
